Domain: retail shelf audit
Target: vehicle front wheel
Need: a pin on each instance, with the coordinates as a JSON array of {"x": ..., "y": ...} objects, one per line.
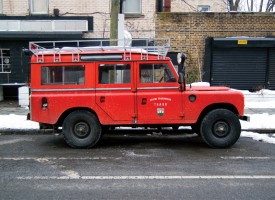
[
  {"x": 220, "y": 128},
  {"x": 81, "y": 129}
]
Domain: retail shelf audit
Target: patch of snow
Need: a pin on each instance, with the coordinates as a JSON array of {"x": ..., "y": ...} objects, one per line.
[
  {"x": 200, "y": 84},
  {"x": 266, "y": 104},
  {"x": 262, "y": 92},
  {"x": 13, "y": 121},
  {"x": 259, "y": 121},
  {"x": 268, "y": 138}
]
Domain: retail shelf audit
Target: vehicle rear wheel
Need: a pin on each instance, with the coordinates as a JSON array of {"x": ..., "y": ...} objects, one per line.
[
  {"x": 81, "y": 129},
  {"x": 220, "y": 128}
]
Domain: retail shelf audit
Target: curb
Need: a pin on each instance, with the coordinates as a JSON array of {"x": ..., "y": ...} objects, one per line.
[
  {"x": 261, "y": 131},
  {"x": 26, "y": 132}
]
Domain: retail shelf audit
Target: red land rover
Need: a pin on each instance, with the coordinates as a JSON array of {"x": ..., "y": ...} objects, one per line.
[{"x": 85, "y": 88}]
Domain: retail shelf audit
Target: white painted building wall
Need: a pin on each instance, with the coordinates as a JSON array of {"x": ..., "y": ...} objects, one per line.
[{"x": 140, "y": 26}]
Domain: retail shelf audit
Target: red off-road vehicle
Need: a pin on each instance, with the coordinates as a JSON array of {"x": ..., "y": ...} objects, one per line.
[{"x": 85, "y": 87}]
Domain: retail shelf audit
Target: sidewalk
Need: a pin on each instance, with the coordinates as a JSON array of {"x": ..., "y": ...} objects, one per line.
[{"x": 12, "y": 107}]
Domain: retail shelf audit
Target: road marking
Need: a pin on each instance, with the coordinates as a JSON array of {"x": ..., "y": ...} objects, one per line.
[
  {"x": 39, "y": 159},
  {"x": 246, "y": 158},
  {"x": 76, "y": 177},
  {"x": 14, "y": 141}
]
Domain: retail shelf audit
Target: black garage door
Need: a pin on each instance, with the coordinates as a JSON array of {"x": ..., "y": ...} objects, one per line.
[
  {"x": 271, "y": 76},
  {"x": 240, "y": 68}
]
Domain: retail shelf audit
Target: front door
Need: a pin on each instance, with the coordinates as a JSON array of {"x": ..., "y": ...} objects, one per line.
[{"x": 159, "y": 100}]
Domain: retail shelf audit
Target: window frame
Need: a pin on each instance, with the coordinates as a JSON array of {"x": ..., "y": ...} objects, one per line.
[
  {"x": 5, "y": 60},
  {"x": 101, "y": 65},
  {"x": 33, "y": 12},
  {"x": 201, "y": 7},
  {"x": 154, "y": 81},
  {"x": 124, "y": 8},
  {"x": 63, "y": 75}
]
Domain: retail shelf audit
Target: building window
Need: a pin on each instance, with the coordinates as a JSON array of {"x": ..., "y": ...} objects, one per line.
[
  {"x": 131, "y": 7},
  {"x": 114, "y": 74},
  {"x": 5, "y": 66},
  {"x": 163, "y": 5},
  {"x": 203, "y": 8},
  {"x": 39, "y": 7},
  {"x": 63, "y": 75}
]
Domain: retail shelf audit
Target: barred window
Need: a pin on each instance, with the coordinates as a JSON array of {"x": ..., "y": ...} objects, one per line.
[{"x": 5, "y": 66}]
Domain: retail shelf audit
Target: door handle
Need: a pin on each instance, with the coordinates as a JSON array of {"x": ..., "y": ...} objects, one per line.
[
  {"x": 102, "y": 99},
  {"x": 144, "y": 101}
]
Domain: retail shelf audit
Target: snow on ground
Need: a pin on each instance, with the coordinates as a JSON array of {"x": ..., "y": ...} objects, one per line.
[
  {"x": 260, "y": 99},
  {"x": 13, "y": 121},
  {"x": 259, "y": 121},
  {"x": 268, "y": 138}
]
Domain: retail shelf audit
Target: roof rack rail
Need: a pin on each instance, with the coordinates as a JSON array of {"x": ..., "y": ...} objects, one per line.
[{"x": 149, "y": 46}]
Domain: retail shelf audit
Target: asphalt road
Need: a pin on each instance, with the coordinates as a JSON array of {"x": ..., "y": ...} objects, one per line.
[{"x": 135, "y": 167}]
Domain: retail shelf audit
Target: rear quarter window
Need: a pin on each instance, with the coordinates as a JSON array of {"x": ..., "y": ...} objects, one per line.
[{"x": 63, "y": 75}]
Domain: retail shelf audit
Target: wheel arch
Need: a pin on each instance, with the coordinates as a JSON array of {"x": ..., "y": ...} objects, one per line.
[
  {"x": 215, "y": 106},
  {"x": 67, "y": 112}
]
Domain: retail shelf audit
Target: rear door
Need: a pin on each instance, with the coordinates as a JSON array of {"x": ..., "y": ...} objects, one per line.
[{"x": 159, "y": 100}]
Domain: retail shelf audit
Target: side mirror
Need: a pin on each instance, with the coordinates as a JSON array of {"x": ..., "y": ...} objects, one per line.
[
  {"x": 181, "y": 57},
  {"x": 181, "y": 78},
  {"x": 181, "y": 81}
]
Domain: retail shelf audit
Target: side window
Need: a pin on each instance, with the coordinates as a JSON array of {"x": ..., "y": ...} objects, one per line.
[
  {"x": 156, "y": 73},
  {"x": 39, "y": 7},
  {"x": 63, "y": 75},
  {"x": 114, "y": 73}
]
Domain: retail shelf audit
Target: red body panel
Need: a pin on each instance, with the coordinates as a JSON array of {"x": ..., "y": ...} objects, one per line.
[{"x": 131, "y": 103}]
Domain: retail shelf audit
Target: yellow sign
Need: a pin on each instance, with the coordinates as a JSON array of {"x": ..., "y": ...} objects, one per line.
[{"x": 243, "y": 42}]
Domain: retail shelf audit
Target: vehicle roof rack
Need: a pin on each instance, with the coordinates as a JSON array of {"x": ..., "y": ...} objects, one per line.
[{"x": 144, "y": 47}]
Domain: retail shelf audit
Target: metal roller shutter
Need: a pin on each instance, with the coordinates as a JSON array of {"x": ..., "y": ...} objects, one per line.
[
  {"x": 271, "y": 75},
  {"x": 240, "y": 68}
]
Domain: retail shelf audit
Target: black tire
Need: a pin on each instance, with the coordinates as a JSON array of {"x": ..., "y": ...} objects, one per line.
[
  {"x": 220, "y": 128},
  {"x": 81, "y": 129}
]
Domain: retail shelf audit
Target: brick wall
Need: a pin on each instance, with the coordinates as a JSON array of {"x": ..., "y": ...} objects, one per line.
[{"x": 188, "y": 31}]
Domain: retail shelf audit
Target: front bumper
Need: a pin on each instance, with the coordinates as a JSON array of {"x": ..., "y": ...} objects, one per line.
[{"x": 245, "y": 118}]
